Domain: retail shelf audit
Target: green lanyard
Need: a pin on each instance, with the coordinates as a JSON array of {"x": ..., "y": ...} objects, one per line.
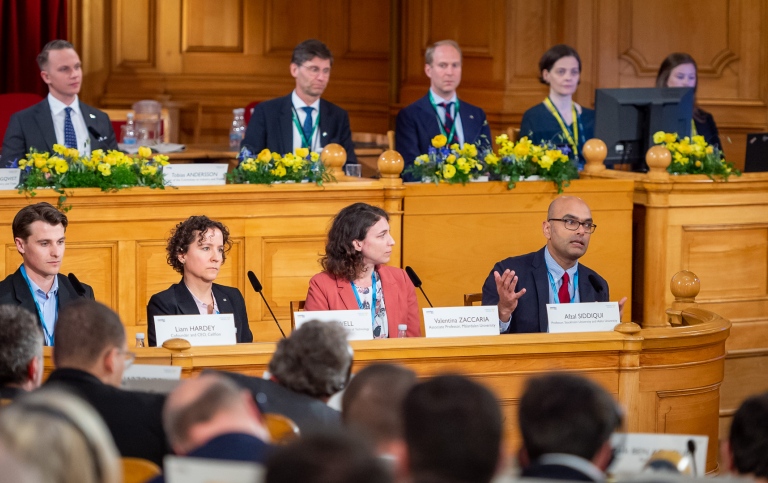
[
  {"x": 570, "y": 139},
  {"x": 693, "y": 129},
  {"x": 448, "y": 136},
  {"x": 305, "y": 143}
]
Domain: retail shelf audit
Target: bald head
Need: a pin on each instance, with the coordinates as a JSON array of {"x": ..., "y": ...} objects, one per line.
[
  {"x": 567, "y": 245},
  {"x": 563, "y": 205}
]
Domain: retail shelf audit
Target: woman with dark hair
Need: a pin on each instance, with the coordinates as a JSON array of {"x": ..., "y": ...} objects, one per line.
[
  {"x": 196, "y": 249},
  {"x": 355, "y": 276},
  {"x": 558, "y": 119},
  {"x": 680, "y": 70}
]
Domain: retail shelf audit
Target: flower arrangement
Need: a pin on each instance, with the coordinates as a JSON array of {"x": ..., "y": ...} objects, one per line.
[
  {"x": 692, "y": 155},
  {"x": 447, "y": 164},
  {"x": 268, "y": 167},
  {"x": 524, "y": 159},
  {"x": 110, "y": 171}
]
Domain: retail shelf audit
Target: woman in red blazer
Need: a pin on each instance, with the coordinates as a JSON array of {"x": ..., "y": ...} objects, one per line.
[{"x": 355, "y": 276}]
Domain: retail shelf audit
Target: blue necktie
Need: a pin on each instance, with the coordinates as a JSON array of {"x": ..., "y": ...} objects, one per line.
[
  {"x": 307, "y": 128},
  {"x": 70, "y": 138}
]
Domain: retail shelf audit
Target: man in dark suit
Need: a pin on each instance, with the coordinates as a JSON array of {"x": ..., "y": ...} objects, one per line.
[
  {"x": 21, "y": 352},
  {"x": 38, "y": 231},
  {"x": 302, "y": 118},
  {"x": 566, "y": 423},
  {"x": 439, "y": 112},
  {"x": 90, "y": 356},
  {"x": 60, "y": 118},
  {"x": 550, "y": 275}
]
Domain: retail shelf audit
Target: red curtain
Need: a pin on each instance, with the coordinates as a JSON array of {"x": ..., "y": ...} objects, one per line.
[{"x": 27, "y": 25}]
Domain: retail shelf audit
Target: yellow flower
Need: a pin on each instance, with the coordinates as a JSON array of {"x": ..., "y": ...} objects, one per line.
[
  {"x": 670, "y": 137},
  {"x": 455, "y": 147},
  {"x": 450, "y": 159},
  {"x": 105, "y": 169},
  {"x": 97, "y": 155},
  {"x": 502, "y": 138},
  {"x": 72, "y": 153},
  {"x": 61, "y": 166},
  {"x": 40, "y": 162},
  {"x": 302, "y": 152},
  {"x": 659, "y": 137},
  {"x": 60, "y": 149},
  {"x": 491, "y": 159},
  {"x": 279, "y": 171},
  {"x": 313, "y": 156},
  {"x": 522, "y": 148},
  {"x": 161, "y": 159},
  {"x": 699, "y": 140},
  {"x": 22, "y": 163},
  {"x": 698, "y": 164},
  {"x": 439, "y": 141},
  {"x": 709, "y": 150},
  {"x": 449, "y": 171},
  {"x": 112, "y": 158},
  {"x": 276, "y": 157},
  {"x": 265, "y": 156},
  {"x": 470, "y": 150},
  {"x": 53, "y": 161},
  {"x": 148, "y": 170},
  {"x": 546, "y": 161},
  {"x": 145, "y": 152}
]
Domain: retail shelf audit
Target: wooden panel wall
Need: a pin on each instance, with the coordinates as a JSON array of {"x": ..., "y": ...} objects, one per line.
[{"x": 227, "y": 53}]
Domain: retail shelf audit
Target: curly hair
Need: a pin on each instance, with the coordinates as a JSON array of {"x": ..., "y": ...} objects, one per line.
[
  {"x": 185, "y": 234},
  {"x": 350, "y": 224}
]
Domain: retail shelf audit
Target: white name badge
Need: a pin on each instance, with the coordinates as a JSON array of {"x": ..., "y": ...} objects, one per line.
[
  {"x": 461, "y": 321},
  {"x": 152, "y": 371},
  {"x": 633, "y": 450},
  {"x": 199, "y": 330},
  {"x": 182, "y": 469},
  {"x": 9, "y": 178},
  {"x": 584, "y": 317},
  {"x": 195, "y": 174},
  {"x": 357, "y": 323}
]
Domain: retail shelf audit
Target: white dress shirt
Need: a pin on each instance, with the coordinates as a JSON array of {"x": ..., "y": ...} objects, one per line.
[
  {"x": 298, "y": 104},
  {"x": 459, "y": 134},
  {"x": 81, "y": 131}
]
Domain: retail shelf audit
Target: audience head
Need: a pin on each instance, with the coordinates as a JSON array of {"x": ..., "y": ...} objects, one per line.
[
  {"x": 61, "y": 437},
  {"x": 326, "y": 458},
  {"x": 38, "y": 231},
  {"x": 442, "y": 64},
  {"x": 453, "y": 430},
  {"x": 21, "y": 348},
  {"x": 358, "y": 240},
  {"x": 198, "y": 247},
  {"x": 560, "y": 69},
  {"x": 562, "y": 413},
  {"x": 208, "y": 406},
  {"x": 677, "y": 70},
  {"x": 61, "y": 69},
  {"x": 314, "y": 360},
  {"x": 311, "y": 67},
  {"x": 91, "y": 338},
  {"x": 564, "y": 244},
  {"x": 746, "y": 451}
]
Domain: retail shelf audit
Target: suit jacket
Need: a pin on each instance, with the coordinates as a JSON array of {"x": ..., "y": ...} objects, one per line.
[
  {"x": 133, "y": 418},
  {"x": 327, "y": 292},
  {"x": 271, "y": 127},
  {"x": 708, "y": 128},
  {"x": 33, "y": 128},
  {"x": 417, "y": 124},
  {"x": 531, "y": 270},
  {"x": 177, "y": 300},
  {"x": 15, "y": 291},
  {"x": 310, "y": 415}
]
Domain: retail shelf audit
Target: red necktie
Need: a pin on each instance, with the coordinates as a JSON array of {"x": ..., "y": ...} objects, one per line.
[
  {"x": 448, "y": 118},
  {"x": 563, "y": 294}
]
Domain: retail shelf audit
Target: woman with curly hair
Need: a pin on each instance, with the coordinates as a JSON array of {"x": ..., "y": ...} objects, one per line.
[
  {"x": 355, "y": 276},
  {"x": 196, "y": 249}
]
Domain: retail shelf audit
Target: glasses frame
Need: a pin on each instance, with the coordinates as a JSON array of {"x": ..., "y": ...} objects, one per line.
[{"x": 589, "y": 227}]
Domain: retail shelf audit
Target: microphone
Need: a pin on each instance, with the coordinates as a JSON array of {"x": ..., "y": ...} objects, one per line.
[
  {"x": 417, "y": 283},
  {"x": 692, "y": 450},
  {"x": 257, "y": 288},
  {"x": 595, "y": 283},
  {"x": 76, "y": 284}
]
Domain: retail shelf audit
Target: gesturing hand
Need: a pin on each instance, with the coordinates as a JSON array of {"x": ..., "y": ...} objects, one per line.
[{"x": 505, "y": 286}]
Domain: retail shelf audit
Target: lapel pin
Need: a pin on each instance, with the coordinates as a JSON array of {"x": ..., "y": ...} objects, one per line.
[
  {"x": 471, "y": 116},
  {"x": 92, "y": 116},
  {"x": 325, "y": 134},
  {"x": 223, "y": 300}
]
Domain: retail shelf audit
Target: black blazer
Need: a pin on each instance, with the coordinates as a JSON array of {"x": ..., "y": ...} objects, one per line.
[
  {"x": 15, "y": 291},
  {"x": 33, "y": 128},
  {"x": 133, "y": 418},
  {"x": 531, "y": 270},
  {"x": 177, "y": 300},
  {"x": 708, "y": 128},
  {"x": 271, "y": 127}
]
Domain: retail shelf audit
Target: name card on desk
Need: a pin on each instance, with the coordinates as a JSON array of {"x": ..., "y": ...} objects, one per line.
[
  {"x": 584, "y": 317},
  {"x": 9, "y": 178},
  {"x": 182, "y": 469},
  {"x": 208, "y": 174},
  {"x": 461, "y": 321},
  {"x": 199, "y": 330},
  {"x": 357, "y": 323},
  {"x": 633, "y": 450}
]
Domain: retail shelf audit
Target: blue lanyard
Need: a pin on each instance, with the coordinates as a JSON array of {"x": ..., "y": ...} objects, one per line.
[
  {"x": 48, "y": 335},
  {"x": 554, "y": 287},
  {"x": 373, "y": 294}
]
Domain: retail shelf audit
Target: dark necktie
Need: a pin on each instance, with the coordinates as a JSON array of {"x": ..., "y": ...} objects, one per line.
[
  {"x": 448, "y": 118},
  {"x": 563, "y": 294},
  {"x": 70, "y": 138},
  {"x": 307, "y": 128}
]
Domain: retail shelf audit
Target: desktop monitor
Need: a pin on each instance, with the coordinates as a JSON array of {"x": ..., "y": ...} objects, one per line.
[{"x": 625, "y": 119}]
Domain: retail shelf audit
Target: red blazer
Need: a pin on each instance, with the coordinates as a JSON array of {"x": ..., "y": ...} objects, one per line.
[{"x": 326, "y": 292}]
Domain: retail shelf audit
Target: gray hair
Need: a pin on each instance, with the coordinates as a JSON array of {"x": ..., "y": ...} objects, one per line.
[
  {"x": 430, "y": 53},
  {"x": 21, "y": 340}
]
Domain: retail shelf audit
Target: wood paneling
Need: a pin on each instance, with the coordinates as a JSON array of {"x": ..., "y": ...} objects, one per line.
[{"x": 212, "y": 26}]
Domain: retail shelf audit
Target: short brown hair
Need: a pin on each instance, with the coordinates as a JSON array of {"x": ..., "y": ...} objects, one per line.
[
  {"x": 58, "y": 44},
  {"x": 85, "y": 328},
  {"x": 430, "y": 53},
  {"x": 38, "y": 212},
  {"x": 185, "y": 234}
]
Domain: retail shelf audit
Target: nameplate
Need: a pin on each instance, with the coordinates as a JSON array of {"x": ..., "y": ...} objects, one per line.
[
  {"x": 152, "y": 371},
  {"x": 182, "y": 469},
  {"x": 213, "y": 174},
  {"x": 633, "y": 450},
  {"x": 357, "y": 323},
  {"x": 199, "y": 330},
  {"x": 461, "y": 321},
  {"x": 9, "y": 178},
  {"x": 584, "y": 317}
]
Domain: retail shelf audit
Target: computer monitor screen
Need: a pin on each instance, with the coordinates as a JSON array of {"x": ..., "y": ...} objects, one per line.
[{"x": 625, "y": 119}]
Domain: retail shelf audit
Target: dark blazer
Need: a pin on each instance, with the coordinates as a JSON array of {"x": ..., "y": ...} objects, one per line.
[
  {"x": 33, "y": 128},
  {"x": 177, "y": 300},
  {"x": 271, "y": 127},
  {"x": 417, "y": 124},
  {"x": 310, "y": 415},
  {"x": 133, "y": 418},
  {"x": 531, "y": 270},
  {"x": 554, "y": 472},
  {"x": 540, "y": 125},
  {"x": 15, "y": 291},
  {"x": 706, "y": 127}
]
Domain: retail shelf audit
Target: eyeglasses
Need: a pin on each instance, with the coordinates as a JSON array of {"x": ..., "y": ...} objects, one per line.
[
  {"x": 573, "y": 225},
  {"x": 316, "y": 71},
  {"x": 129, "y": 357}
]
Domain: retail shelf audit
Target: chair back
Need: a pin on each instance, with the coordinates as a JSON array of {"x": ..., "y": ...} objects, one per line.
[
  {"x": 249, "y": 111},
  {"x": 281, "y": 428},
  {"x": 12, "y": 103},
  {"x": 138, "y": 470},
  {"x": 471, "y": 299},
  {"x": 295, "y": 306}
]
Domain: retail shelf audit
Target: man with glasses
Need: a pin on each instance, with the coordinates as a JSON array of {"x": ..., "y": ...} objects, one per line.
[
  {"x": 522, "y": 286},
  {"x": 301, "y": 119},
  {"x": 90, "y": 356}
]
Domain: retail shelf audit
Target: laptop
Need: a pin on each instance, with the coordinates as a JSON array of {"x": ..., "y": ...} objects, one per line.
[{"x": 756, "y": 159}]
